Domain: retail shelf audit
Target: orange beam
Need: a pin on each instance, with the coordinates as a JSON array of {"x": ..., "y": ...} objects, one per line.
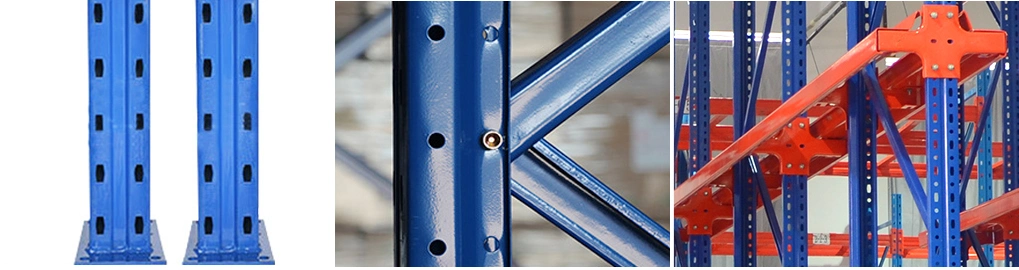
[{"x": 722, "y": 244}]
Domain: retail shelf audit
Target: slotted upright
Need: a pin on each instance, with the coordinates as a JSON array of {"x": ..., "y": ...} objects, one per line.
[
  {"x": 119, "y": 230},
  {"x": 228, "y": 230}
]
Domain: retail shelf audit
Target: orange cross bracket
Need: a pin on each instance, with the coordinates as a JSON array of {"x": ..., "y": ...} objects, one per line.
[{"x": 942, "y": 40}]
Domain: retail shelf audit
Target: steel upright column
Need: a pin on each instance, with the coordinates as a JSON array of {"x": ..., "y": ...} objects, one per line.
[
  {"x": 700, "y": 116},
  {"x": 794, "y": 187},
  {"x": 451, "y": 96},
  {"x": 985, "y": 182},
  {"x": 228, "y": 230},
  {"x": 744, "y": 190},
  {"x": 862, "y": 153},
  {"x": 895, "y": 230},
  {"x": 119, "y": 230},
  {"x": 1010, "y": 107}
]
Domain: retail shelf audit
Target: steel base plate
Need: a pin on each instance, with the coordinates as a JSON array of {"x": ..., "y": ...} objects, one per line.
[
  {"x": 264, "y": 258},
  {"x": 156, "y": 257}
]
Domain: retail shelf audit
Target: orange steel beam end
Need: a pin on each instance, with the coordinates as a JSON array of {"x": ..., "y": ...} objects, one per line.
[
  {"x": 968, "y": 52},
  {"x": 850, "y": 63}
]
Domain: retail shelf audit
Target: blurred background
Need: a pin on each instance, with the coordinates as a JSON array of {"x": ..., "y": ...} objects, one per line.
[{"x": 622, "y": 137}]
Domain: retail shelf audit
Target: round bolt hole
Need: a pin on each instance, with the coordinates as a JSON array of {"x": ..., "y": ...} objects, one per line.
[
  {"x": 436, "y": 140},
  {"x": 490, "y": 33},
  {"x": 950, "y": 41},
  {"x": 83, "y": 258},
  {"x": 155, "y": 258},
  {"x": 436, "y": 33},
  {"x": 934, "y": 41},
  {"x": 491, "y": 244},
  {"x": 437, "y": 247},
  {"x": 491, "y": 140},
  {"x": 263, "y": 257}
]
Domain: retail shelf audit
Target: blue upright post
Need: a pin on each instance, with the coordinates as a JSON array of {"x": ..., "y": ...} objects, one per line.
[
  {"x": 944, "y": 242},
  {"x": 1010, "y": 107},
  {"x": 896, "y": 230},
  {"x": 700, "y": 116},
  {"x": 984, "y": 171},
  {"x": 744, "y": 189},
  {"x": 119, "y": 230},
  {"x": 451, "y": 96},
  {"x": 862, "y": 154},
  {"x": 228, "y": 230},
  {"x": 794, "y": 187}
]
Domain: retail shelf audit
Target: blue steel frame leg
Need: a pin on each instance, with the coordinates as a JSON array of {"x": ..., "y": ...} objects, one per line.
[
  {"x": 985, "y": 182},
  {"x": 1010, "y": 107},
  {"x": 700, "y": 115},
  {"x": 896, "y": 230},
  {"x": 862, "y": 155},
  {"x": 119, "y": 230},
  {"x": 794, "y": 187},
  {"x": 744, "y": 191},
  {"x": 228, "y": 230},
  {"x": 943, "y": 158},
  {"x": 452, "y": 165}
]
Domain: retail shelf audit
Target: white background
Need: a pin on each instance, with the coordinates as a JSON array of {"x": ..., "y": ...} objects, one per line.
[{"x": 44, "y": 167}]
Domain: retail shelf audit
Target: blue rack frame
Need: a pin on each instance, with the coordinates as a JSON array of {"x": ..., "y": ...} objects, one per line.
[
  {"x": 985, "y": 181},
  {"x": 228, "y": 230},
  {"x": 794, "y": 187},
  {"x": 540, "y": 99},
  {"x": 897, "y": 225},
  {"x": 862, "y": 156},
  {"x": 1010, "y": 106},
  {"x": 745, "y": 193},
  {"x": 119, "y": 230},
  {"x": 700, "y": 131}
]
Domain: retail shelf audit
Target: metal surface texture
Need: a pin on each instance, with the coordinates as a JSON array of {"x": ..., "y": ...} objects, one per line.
[
  {"x": 119, "y": 230},
  {"x": 583, "y": 67},
  {"x": 1010, "y": 106},
  {"x": 744, "y": 191},
  {"x": 794, "y": 187},
  {"x": 452, "y": 195},
  {"x": 895, "y": 230},
  {"x": 228, "y": 230},
  {"x": 940, "y": 54},
  {"x": 862, "y": 131},
  {"x": 700, "y": 131}
]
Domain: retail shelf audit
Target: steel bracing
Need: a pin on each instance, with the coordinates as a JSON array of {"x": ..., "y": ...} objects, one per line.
[
  {"x": 914, "y": 108},
  {"x": 468, "y": 136}
]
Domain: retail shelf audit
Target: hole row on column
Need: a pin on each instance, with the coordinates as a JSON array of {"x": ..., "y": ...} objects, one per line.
[
  {"x": 207, "y": 13},
  {"x": 97, "y": 13},
  {"x": 100, "y": 225},
  {"x": 207, "y": 68},
  {"x": 246, "y": 225},
  {"x": 207, "y": 173},
  {"x": 139, "y": 173},
  {"x": 139, "y": 122}
]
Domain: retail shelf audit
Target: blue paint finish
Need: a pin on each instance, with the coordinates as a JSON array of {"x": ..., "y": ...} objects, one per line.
[
  {"x": 943, "y": 168},
  {"x": 557, "y": 86},
  {"x": 745, "y": 193},
  {"x": 227, "y": 125},
  {"x": 897, "y": 224},
  {"x": 700, "y": 86},
  {"x": 794, "y": 187},
  {"x": 1010, "y": 107},
  {"x": 119, "y": 137},
  {"x": 700, "y": 250},
  {"x": 750, "y": 113},
  {"x": 575, "y": 201},
  {"x": 451, "y": 86},
  {"x": 880, "y": 106},
  {"x": 985, "y": 181},
  {"x": 862, "y": 154}
]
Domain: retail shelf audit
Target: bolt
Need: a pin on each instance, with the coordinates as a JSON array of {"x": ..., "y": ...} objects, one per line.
[
  {"x": 790, "y": 165},
  {"x": 705, "y": 193},
  {"x": 951, "y": 67},
  {"x": 789, "y": 125},
  {"x": 694, "y": 227},
  {"x": 801, "y": 125},
  {"x": 491, "y": 140},
  {"x": 801, "y": 166},
  {"x": 934, "y": 67},
  {"x": 950, "y": 15},
  {"x": 934, "y": 15},
  {"x": 491, "y": 244}
]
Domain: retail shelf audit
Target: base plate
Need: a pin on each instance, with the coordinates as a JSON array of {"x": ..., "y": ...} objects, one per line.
[
  {"x": 156, "y": 257},
  {"x": 264, "y": 257}
]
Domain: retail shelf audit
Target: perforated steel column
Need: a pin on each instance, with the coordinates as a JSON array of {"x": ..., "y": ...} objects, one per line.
[
  {"x": 119, "y": 230},
  {"x": 228, "y": 230},
  {"x": 451, "y": 102}
]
